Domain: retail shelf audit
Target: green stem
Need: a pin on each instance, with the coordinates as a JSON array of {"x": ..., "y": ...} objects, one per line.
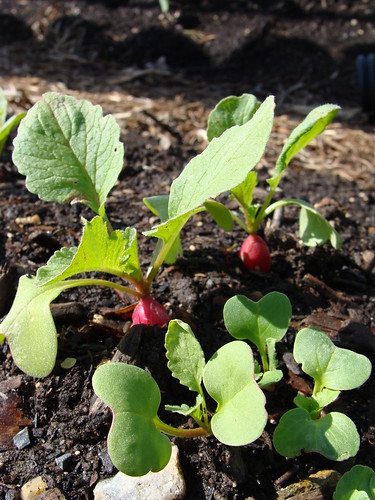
[
  {"x": 97, "y": 282},
  {"x": 240, "y": 222},
  {"x": 262, "y": 212},
  {"x": 264, "y": 358},
  {"x": 183, "y": 433}
]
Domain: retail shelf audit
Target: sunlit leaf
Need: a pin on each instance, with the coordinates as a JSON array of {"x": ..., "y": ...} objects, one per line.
[
  {"x": 240, "y": 416},
  {"x": 68, "y": 151}
]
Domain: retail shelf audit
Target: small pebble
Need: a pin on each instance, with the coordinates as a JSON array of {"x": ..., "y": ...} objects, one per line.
[
  {"x": 64, "y": 462},
  {"x": 169, "y": 484},
  {"x": 22, "y": 439},
  {"x": 33, "y": 488}
]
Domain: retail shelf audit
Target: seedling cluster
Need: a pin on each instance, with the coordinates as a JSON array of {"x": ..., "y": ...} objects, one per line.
[
  {"x": 70, "y": 152},
  {"x": 137, "y": 440}
]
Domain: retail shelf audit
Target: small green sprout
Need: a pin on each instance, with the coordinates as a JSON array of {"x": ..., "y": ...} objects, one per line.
[
  {"x": 137, "y": 441},
  {"x": 333, "y": 369},
  {"x": 314, "y": 230},
  {"x": 6, "y": 125},
  {"x": 263, "y": 323}
]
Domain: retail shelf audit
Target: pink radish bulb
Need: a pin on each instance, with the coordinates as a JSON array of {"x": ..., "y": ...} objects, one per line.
[
  {"x": 255, "y": 254},
  {"x": 149, "y": 312}
]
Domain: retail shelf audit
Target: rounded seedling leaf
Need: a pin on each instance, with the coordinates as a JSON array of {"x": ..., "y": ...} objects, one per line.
[
  {"x": 258, "y": 321},
  {"x": 185, "y": 356},
  {"x": 240, "y": 417},
  {"x": 229, "y": 112},
  {"x": 68, "y": 151},
  {"x": 334, "y": 436},
  {"x": 135, "y": 444},
  {"x": 330, "y": 366},
  {"x": 356, "y": 484},
  {"x": 30, "y": 329}
]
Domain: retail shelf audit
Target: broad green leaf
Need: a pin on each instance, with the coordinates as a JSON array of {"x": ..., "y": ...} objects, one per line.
[
  {"x": 244, "y": 191},
  {"x": 185, "y": 356},
  {"x": 314, "y": 123},
  {"x": 224, "y": 164},
  {"x": 159, "y": 206},
  {"x": 221, "y": 215},
  {"x": 30, "y": 329},
  {"x": 240, "y": 416},
  {"x": 135, "y": 444},
  {"x": 68, "y": 151},
  {"x": 3, "y": 108},
  {"x": 187, "y": 410},
  {"x": 330, "y": 366},
  {"x": 5, "y": 130},
  {"x": 258, "y": 321},
  {"x": 335, "y": 436},
  {"x": 98, "y": 251},
  {"x": 356, "y": 484},
  {"x": 229, "y": 112}
]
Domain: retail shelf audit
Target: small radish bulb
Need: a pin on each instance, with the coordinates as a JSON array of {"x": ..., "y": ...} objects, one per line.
[
  {"x": 255, "y": 254},
  {"x": 149, "y": 312}
]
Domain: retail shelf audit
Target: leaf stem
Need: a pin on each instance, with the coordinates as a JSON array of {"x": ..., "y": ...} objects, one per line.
[
  {"x": 177, "y": 432},
  {"x": 97, "y": 282}
]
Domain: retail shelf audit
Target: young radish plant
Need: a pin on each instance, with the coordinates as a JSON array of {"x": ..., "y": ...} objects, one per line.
[
  {"x": 313, "y": 228},
  {"x": 70, "y": 152},
  {"x": 356, "y": 484},
  {"x": 308, "y": 427},
  {"x": 138, "y": 442}
]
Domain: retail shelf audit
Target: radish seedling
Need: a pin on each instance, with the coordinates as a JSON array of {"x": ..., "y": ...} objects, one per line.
[
  {"x": 137, "y": 441},
  {"x": 314, "y": 230},
  {"x": 333, "y": 369},
  {"x": 70, "y": 152},
  {"x": 263, "y": 323}
]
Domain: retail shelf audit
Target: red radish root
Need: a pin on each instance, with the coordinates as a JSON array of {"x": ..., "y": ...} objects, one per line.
[
  {"x": 149, "y": 312},
  {"x": 255, "y": 254}
]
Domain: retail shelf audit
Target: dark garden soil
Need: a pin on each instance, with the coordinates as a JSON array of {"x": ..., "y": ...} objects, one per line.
[{"x": 160, "y": 75}]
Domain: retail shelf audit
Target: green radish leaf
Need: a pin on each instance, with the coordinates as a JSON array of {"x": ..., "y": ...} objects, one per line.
[
  {"x": 270, "y": 377},
  {"x": 224, "y": 164},
  {"x": 229, "y": 112},
  {"x": 334, "y": 436},
  {"x": 258, "y": 321},
  {"x": 68, "y": 151},
  {"x": 159, "y": 206},
  {"x": 135, "y": 444},
  {"x": 314, "y": 123},
  {"x": 187, "y": 410},
  {"x": 244, "y": 191},
  {"x": 356, "y": 484},
  {"x": 330, "y": 366},
  {"x": 171, "y": 227},
  {"x": 98, "y": 251},
  {"x": 30, "y": 329},
  {"x": 240, "y": 416},
  {"x": 220, "y": 214},
  {"x": 315, "y": 230},
  {"x": 185, "y": 356}
]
